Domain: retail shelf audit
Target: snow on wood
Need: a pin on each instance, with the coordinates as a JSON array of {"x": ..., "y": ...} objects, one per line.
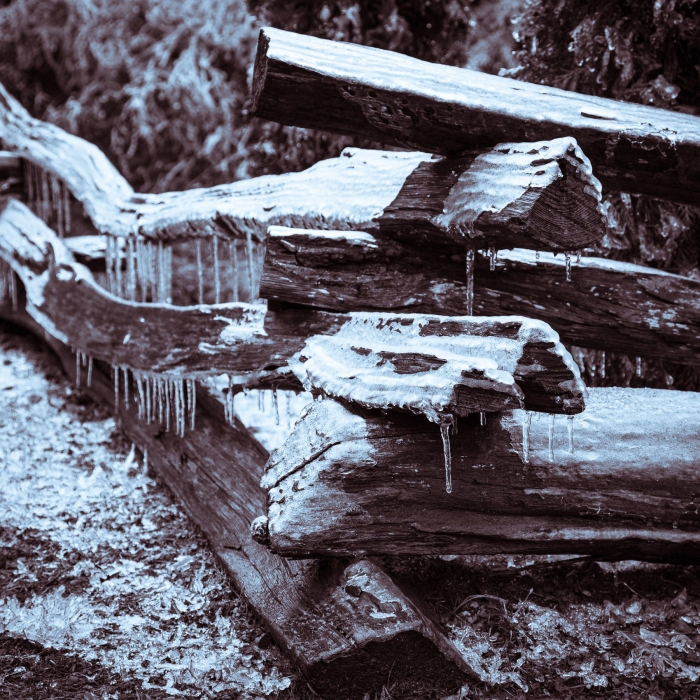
[
  {"x": 438, "y": 366},
  {"x": 644, "y": 311},
  {"x": 332, "y": 618},
  {"x": 618, "y": 481},
  {"x": 535, "y": 195},
  {"x": 394, "y": 99}
]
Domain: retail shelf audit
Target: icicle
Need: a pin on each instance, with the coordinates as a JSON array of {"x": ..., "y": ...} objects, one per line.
[
  {"x": 217, "y": 276},
  {"x": 140, "y": 402},
  {"x": 149, "y": 400},
  {"x": 118, "y": 259},
  {"x": 445, "y": 424},
  {"x": 160, "y": 404},
  {"x": 482, "y": 418},
  {"x": 289, "y": 395},
  {"x": 249, "y": 258},
  {"x": 275, "y": 405},
  {"x": 141, "y": 268},
  {"x": 168, "y": 391},
  {"x": 126, "y": 386},
  {"x": 192, "y": 400},
  {"x": 78, "y": 357},
  {"x": 233, "y": 256},
  {"x": 109, "y": 263},
  {"x": 551, "y": 438},
  {"x": 89, "y": 371},
  {"x": 578, "y": 257},
  {"x": 168, "y": 275},
  {"x": 639, "y": 367},
  {"x": 567, "y": 258},
  {"x": 527, "y": 422},
  {"x": 56, "y": 204},
  {"x": 130, "y": 269},
  {"x": 570, "y": 432},
  {"x": 180, "y": 394},
  {"x": 492, "y": 257},
  {"x": 470, "y": 281},
  {"x": 602, "y": 364},
  {"x": 65, "y": 199},
  {"x": 115, "y": 375},
  {"x": 200, "y": 270}
]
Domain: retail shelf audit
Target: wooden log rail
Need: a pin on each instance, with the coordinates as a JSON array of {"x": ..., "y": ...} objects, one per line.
[
  {"x": 244, "y": 339},
  {"x": 346, "y": 624},
  {"x": 540, "y": 195},
  {"x": 606, "y": 305},
  {"x": 393, "y": 99},
  {"x": 618, "y": 481}
]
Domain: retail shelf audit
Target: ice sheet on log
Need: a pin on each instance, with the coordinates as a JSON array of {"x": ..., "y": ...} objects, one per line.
[
  {"x": 437, "y": 366},
  {"x": 394, "y": 99},
  {"x": 623, "y": 485}
]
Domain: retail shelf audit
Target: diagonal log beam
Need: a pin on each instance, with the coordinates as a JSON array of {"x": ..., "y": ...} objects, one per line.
[
  {"x": 622, "y": 485},
  {"x": 393, "y": 99},
  {"x": 607, "y": 305},
  {"x": 346, "y": 624},
  {"x": 541, "y": 195}
]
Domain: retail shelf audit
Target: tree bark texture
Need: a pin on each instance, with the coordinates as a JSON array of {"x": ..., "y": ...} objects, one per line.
[
  {"x": 623, "y": 484},
  {"x": 394, "y": 99}
]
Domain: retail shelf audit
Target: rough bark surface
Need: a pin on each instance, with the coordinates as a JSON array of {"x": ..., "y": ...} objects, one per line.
[
  {"x": 607, "y": 305},
  {"x": 349, "y": 481},
  {"x": 394, "y": 99}
]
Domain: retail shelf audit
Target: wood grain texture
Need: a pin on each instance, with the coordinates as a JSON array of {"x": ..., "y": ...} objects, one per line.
[
  {"x": 354, "y": 482},
  {"x": 607, "y": 305},
  {"x": 346, "y": 624},
  {"x": 394, "y": 99}
]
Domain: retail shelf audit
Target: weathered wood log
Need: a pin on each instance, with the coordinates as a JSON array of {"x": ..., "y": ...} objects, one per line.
[
  {"x": 624, "y": 484},
  {"x": 442, "y": 366},
  {"x": 347, "y": 625},
  {"x": 394, "y": 99},
  {"x": 607, "y": 305},
  {"x": 529, "y": 195},
  {"x": 239, "y": 338}
]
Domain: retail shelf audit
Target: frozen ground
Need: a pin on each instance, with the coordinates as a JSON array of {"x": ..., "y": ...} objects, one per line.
[{"x": 97, "y": 560}]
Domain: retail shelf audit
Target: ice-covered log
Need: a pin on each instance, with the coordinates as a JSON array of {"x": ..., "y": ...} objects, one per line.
[
  {"x": 607, "y": 304},
  {"x": 347, "y": 625},
  {"x": 237, "y": 338},
  {"x": 619, "y": 481},
  {"x": 394, "y": 99},
  {"x": 442, "y": 367},
  {"x": 533, "y": 195}
]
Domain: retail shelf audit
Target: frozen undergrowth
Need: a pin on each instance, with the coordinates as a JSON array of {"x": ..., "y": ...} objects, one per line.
[{"x": 117, "y": 573}]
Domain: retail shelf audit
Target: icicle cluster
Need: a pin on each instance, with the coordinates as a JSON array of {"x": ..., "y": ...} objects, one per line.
[
  {"x": 139, "y": 269},
  {"x": 48, "y": 197},
  {"x": 8, "y": 285},
  {"x": 169, "y": 401},
  {"x": 83, "y": 360}
]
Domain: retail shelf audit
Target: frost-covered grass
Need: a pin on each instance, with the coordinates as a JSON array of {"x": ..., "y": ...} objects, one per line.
[{"x": 99, "y": 560}]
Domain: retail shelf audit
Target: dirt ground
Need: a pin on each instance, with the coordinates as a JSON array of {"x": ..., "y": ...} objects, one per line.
[{"x": 108, "y": 591}]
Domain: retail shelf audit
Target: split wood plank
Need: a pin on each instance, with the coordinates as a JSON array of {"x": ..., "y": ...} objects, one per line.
[
  {"x": 394, "y": 99},
  {"x": 353, "y": 482},
  {"x": 235, "y": 338},
  {"x": 347, "y": 625},
  {"x": 607, "y": 305}
]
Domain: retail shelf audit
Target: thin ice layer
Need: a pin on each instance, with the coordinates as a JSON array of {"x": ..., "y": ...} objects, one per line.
[{"x": 426, "y": 364}]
